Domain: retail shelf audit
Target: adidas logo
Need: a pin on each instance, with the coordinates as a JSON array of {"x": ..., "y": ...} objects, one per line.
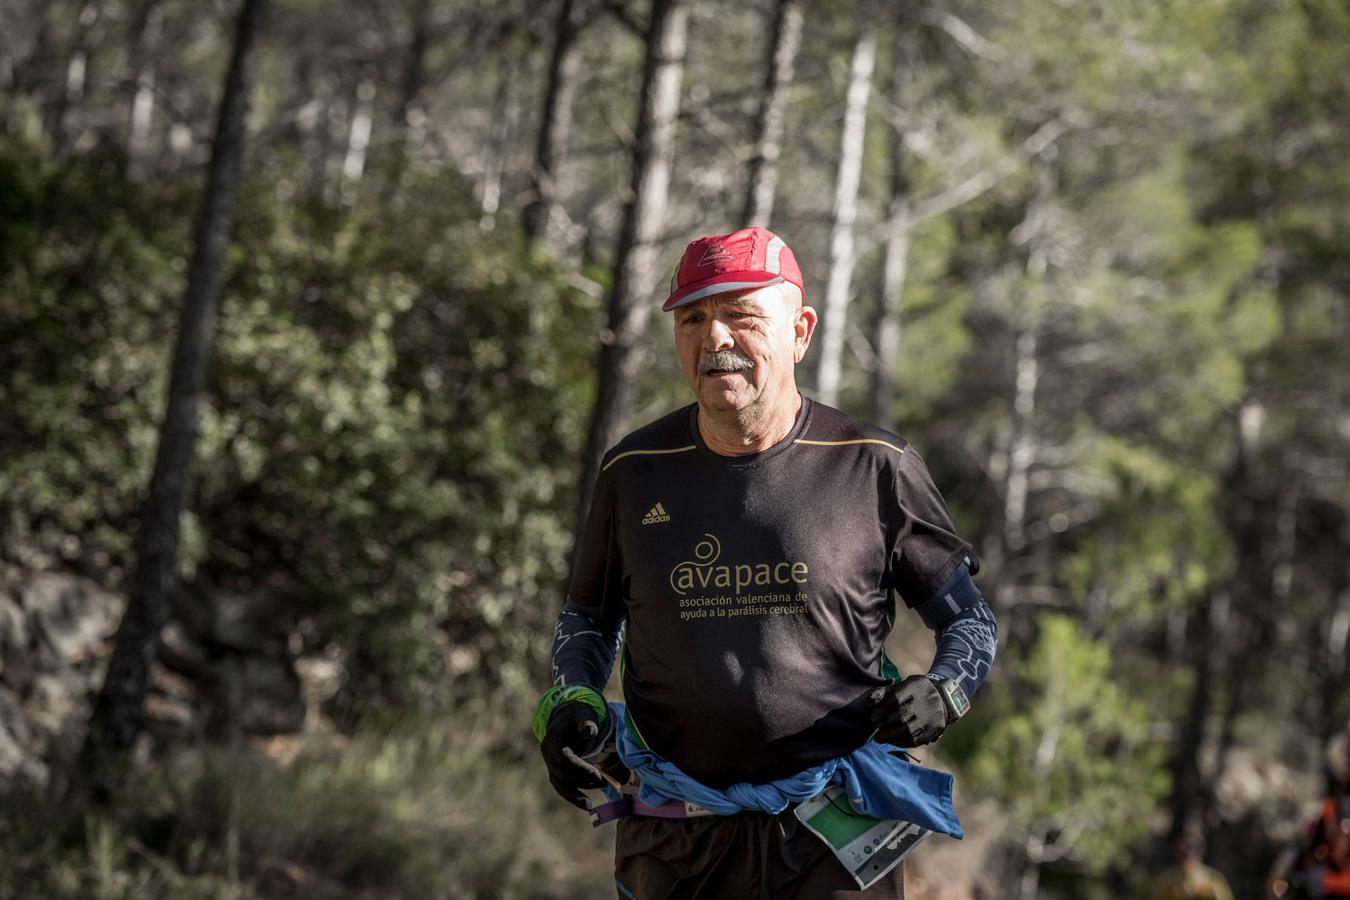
[{"x": 656, "y": 515}]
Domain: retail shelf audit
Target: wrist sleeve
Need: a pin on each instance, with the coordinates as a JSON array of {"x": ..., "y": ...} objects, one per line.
[
  {"x": 967, "y": 634},
  {"x": 583, "y": 648}
]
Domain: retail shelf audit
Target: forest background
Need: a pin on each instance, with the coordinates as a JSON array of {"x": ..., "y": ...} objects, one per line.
[{"x": 1091, "y": 257}]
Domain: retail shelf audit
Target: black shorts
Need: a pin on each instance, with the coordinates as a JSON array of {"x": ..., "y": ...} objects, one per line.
[{"x": 750, "y": 856}]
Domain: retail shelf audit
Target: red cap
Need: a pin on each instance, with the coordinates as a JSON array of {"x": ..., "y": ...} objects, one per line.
[{"x": 740, "y": 261}]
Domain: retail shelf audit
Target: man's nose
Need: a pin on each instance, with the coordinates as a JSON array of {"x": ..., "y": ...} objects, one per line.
[{"x": 718, "y": 335}]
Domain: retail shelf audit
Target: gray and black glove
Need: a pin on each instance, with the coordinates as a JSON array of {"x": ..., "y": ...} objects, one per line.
[
  {"x": 909, "y": 714},
  {"x": 574, "y": 732}
]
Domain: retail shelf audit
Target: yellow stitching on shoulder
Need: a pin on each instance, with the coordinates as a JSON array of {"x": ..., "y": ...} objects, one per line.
[
  {"x": 846, "y": 443},
  {"x": 644, "y": 453}
]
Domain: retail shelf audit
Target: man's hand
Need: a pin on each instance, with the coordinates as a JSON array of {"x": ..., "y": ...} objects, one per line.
[
  {"x": 909, "y": 714},
  {"x": 573, "y": 732}
]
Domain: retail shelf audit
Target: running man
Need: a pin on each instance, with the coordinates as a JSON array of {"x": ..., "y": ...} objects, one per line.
[{"x": 742, "y": 555}]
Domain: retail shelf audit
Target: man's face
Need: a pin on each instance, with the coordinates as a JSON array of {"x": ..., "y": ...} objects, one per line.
[{"x": 739, "y": 350}]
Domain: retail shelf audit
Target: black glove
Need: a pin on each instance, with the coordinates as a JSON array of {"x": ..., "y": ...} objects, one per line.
[
  {"x": 573, "y": 732},
  {"x": 909, "y": 714}
]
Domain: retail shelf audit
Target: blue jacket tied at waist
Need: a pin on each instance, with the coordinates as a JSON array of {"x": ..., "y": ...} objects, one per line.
[{"x": 877, "y": 784}]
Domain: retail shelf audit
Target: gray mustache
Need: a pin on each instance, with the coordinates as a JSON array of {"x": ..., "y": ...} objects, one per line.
[{"x": 724, "y": 360}]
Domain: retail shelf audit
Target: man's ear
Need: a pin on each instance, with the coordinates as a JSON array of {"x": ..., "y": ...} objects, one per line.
[{"x": 803, "y": 326}]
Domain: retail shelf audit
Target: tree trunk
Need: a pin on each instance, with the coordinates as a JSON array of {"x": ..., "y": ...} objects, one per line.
[
  {"x": 118, "y": 714},
  {"x": 505, "y": 108},
  {"x": 1023, "y": 448},
  {"x": 318, "y": 127},
  {"x": 1207, "y": 637},
  {"x": 1025, "y": 323},
  {"x": 71, "y": 90},
  {"x": 887, "y": 324},
  {"x": 1029, "y": 885},
  {"x": 411, "y": 81},
  {"x": 636, "y": 264},
  {"x": 1047, "y": 749},
  {"x": 32, "y": 75},
  {"x": 1251, "y": 583},
  {"x": 555, "y": 123},
  {"x": 834, "y": 315},
  {"x": 358, "y": 133},
  {"x": 1264, "y": 579},
  {"x": 1337, "y": 673},
  {"x": 898, "y": 230},
  {"x": 762, "y": 174},
  {"x": 1285, "y": 549},
  {"x": 145, "y": 31}
]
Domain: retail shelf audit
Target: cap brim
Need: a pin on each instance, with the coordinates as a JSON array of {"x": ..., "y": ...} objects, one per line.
[{"x": 726, "y": 283}]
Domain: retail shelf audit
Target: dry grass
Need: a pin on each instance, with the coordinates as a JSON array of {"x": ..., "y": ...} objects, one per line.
[{"x": 439, "y": 809}]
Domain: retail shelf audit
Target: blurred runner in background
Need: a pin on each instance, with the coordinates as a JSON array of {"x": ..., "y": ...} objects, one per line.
[
  {"x": 1318, "y": 865},
  {"x": 1189, "y": 878}
]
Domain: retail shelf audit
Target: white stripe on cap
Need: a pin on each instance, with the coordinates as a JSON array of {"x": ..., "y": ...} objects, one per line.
[
  {"x": 723, "y": 288},
  {"x": 771, "y": 254}
]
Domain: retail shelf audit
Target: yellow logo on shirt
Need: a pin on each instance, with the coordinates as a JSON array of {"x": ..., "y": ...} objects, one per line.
[{"x": 704, "y": 571}]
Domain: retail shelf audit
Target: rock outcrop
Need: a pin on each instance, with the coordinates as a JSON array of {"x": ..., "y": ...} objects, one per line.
[
  {"x": 55, "y": 638},
  {"x": 225, "y": 665}
]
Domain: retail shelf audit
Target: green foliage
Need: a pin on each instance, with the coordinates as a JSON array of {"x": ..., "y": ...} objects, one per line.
[
  {"x": 1122, "y": 60},
  {"x": 933, "y": 336},
  {"x": 401, "y": 416},
  {"x": 88, "y": 267},
  {"x": 393, "y": 416},
  {"x": 1181, "y": 300},
  {"x": 1067, "y": 752},
  {"x": 1155, "y": 543}
]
